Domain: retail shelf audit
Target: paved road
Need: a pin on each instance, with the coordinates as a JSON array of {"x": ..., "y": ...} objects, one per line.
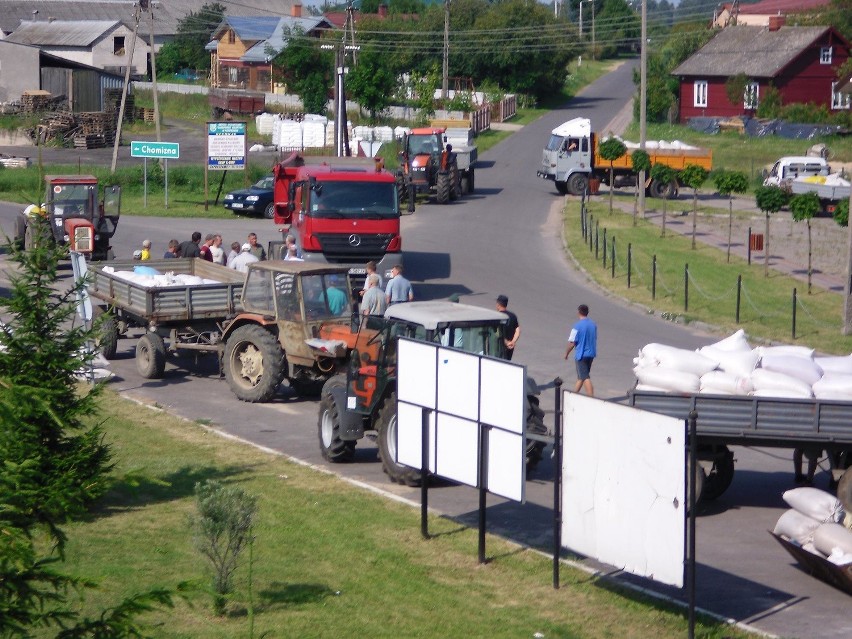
[{"x": 506, "y": 239}]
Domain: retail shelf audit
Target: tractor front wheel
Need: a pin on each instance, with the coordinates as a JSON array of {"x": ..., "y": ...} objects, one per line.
[
  {"x": 442, "y": 188},
  {"x": 386, "y": 425},
  {"x": 332, "y": 447}
]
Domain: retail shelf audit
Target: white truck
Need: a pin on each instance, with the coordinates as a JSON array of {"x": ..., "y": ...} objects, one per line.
[{"x": 805, "y": 174}]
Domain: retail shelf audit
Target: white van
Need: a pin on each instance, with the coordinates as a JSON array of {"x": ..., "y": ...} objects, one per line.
[{"x": 789, "y": 168}]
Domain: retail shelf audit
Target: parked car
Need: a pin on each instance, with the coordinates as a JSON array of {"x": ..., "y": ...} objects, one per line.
[{"x": 258, "y": 198}]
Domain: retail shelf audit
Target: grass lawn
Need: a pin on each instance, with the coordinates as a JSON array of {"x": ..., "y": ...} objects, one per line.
[
  {"x": 330, "y": 560},
  {"x": 766, "y": 303}
]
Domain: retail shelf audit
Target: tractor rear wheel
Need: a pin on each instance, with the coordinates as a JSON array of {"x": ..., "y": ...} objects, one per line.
[
  {"x": 254, "y": 363},
  {"x": 455, "y": 182},
  {"x": 331, "y": 446},
  {"x": 386, "y": 425},
  {"x": 442, "y": 188}
]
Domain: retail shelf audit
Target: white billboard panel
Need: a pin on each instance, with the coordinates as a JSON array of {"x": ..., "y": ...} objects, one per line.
[
  {"x": 506, "y": 461},
  {"x": 624, "y": 476},
  {"x": 457, "y": 449},
  {"x": 417, "y": 388},
  {"x": 458, "y": 383},
  {"x": 502, "y": 401},
  {"x": 409, "y": 431}
]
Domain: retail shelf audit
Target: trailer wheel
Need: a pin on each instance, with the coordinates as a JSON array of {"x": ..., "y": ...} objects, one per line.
[
  {"x": 577, "y": 184},
  {"x": 471, "y": 185},
  {"x": 535, "y": 424},
  {"x": 442, "y": 188},
  {"x": 254, "y": 363},
  {"x": 108, "y": 335},
  {"x": 561, "y": 187},
  {"x": 331, "y": 446},
  {"x": 269, "y": 211},
  {"x": 721, "y": 474},
  {"x": 151, "y": 356},
  {"x": 386, "y": 424},
  {"x": 699, "y": 484}
]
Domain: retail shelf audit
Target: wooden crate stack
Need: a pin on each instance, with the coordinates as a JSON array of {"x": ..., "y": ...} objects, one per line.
[{"x": 96, "y": 130}]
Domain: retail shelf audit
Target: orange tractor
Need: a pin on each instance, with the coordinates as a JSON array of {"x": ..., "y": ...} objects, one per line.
[{"x": 428, "y": 163}]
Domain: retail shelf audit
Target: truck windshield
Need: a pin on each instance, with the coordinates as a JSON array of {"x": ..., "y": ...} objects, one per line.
[
  {"x": 554, "y": 143},
  {"x": 370, "y": 200}
]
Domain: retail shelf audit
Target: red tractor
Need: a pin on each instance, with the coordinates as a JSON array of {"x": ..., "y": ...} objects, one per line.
[{"x": 74, "y": 215}]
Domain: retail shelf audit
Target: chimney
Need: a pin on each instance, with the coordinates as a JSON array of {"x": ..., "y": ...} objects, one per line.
[
  {"x": 296, "y": 11},
  {"x": 383, "y": 10},
  {"x": 776, "y": 22}
]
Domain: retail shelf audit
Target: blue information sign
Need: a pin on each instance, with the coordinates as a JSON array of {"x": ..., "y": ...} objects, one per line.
[{"x": 226, "y": 146}]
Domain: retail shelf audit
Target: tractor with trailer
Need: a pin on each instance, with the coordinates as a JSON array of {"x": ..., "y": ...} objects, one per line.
[
  {"x": 572, "y": 158},
  {"x": 439, "y": 160},
  {"x": 364, "y": 398},
  {"x": 342, "y": 211},
  {"x": 75, "y": 215},
  {"x": 281, "y": 320}
]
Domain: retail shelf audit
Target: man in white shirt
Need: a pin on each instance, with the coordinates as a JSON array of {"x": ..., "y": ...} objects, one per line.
[{"x": 241, "y": 261}]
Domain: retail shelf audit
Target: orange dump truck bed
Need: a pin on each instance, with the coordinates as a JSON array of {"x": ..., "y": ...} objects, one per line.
[{"x": 675, "y": 158}]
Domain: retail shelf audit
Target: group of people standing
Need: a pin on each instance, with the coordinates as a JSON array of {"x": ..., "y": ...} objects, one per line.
[
  {"x": 375, "y": 298},
  {"x": 239, "y": 257}
]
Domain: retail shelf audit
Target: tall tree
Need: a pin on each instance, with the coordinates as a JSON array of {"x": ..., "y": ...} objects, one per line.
[
  {"x": 805, "y": 207},
  {"x": 728, "y": 183},
  {"x": 193, "y": 33},
  {"x": 372, "y": 83},
  {"x": 769, "y": 199},
  {"x": 307, "y": 70},
  {"x": 610, "y": 150},
  {"x": 693, "y": 176}
]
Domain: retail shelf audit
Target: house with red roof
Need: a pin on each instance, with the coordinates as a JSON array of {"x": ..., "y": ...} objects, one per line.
[
  {"x": 801, "y": 63},
  {"x": 757, "y": 14}
]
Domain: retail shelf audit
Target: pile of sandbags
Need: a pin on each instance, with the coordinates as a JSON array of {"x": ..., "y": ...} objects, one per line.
[
  {"x": 732, "y": 367},
  {"x": 816, "y": 522},
  {"x": 152, "y": 278}
]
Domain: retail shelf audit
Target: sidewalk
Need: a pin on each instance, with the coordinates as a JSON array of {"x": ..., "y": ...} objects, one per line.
[{"x": 789, "y": 250}]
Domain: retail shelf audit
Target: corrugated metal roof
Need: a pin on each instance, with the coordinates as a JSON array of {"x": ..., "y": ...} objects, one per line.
[
  {"x": 167, "y": 13},
  {"x": 62, "y": 33},
  {"x": 755, "y": 51}
]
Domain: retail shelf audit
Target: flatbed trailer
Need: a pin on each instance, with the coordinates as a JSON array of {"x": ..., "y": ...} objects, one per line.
[
  {"x": 728, "y": 420},
  {"x": 188, "y": 316}
]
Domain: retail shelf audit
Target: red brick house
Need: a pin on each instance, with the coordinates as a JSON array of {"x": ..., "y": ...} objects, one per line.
[{"x": 800, "y": 62}]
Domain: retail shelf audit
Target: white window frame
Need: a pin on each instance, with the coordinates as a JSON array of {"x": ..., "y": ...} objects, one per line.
[
  {"x": 839, "y": 101},
  {"x": 751, "y": 96},
  {"x": 825, "y": 55},
  {"x": 699, "y": 93}
]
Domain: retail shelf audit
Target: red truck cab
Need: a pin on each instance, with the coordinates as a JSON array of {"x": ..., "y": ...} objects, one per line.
[{"x": 346, "y": 213}]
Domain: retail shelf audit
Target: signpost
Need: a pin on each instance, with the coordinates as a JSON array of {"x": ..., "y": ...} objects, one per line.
[
  {"x": 227, "y": 149},
  {"x": 160, "y": 150}
]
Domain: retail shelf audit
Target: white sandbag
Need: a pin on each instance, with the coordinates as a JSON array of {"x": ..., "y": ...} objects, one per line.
[
  {"x": 733, "y": 343},
  {"x": 786, "y": 349},
  {"x": 764, "y": 380},
  {"x": 834, "y": 383},
  {"x": 681, "y": 359},
  {"x": 815, "y": 503},
  {"x": 653, "y": 350},
  {"x": 832, "y": 539},
  {"x": 796, "y": 526},
  {"x": 725, "y": 383},
  {"x": 653, "y": 389},
  {"x": 835, "y": 364},
  {"x": 803, "y": 368},
  {"x": 840, "y": 558},
  {"x": 643, "y": 361},
  {"x": 781, "y": 393},
  {"x": 812, "y": 549},
  {"x": 739, "y": 363},
  {"x": 834, "y": 396},
  {"x": 667, "y": 378}
]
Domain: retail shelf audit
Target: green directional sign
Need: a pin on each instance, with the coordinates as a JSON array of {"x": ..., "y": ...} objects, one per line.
[{"x": 164, "y": 150}]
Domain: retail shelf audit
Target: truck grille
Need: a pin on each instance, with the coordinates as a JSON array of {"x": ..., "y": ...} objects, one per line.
[{"x": 337, "y": 247}]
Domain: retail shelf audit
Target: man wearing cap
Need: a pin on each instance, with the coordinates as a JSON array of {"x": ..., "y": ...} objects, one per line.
[
  {"x": 241, "y": 262},
  {"x": 512, "y": 329}
]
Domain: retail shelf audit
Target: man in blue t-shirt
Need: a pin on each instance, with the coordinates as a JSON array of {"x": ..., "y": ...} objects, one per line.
[{"x": 583, "y": 340}]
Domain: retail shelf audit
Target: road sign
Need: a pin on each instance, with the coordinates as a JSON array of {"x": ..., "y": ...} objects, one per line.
[
  {"x": 163, "y": 150},
  {"x": 226, "y": 146}
]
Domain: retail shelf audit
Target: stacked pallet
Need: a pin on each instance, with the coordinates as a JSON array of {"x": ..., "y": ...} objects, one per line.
[
  {"x": 98, "y": 124},
  {"x": 38, "y": 101}
]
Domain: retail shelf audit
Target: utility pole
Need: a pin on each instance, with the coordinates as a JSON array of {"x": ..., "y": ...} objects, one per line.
[
  {"x": 445, "y": 84},
  {"x": 146, "y": 4},
  {"x": 643, "y": 100},
  {"x": 847, "y": 287},
  {"x": 115, "y": 144}
]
